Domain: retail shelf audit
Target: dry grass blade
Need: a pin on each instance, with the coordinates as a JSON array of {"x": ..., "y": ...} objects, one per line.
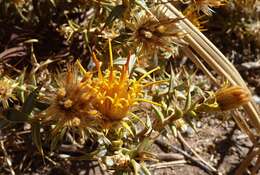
[
  {"x": 199, "y": 64},
  {"x": 246, "y": 162},
  {"x": 240, "y": 121},
  {"x": 216, "y": 60},
  {"x": 167, "y": 164},
  {"x": 256, "y": 167},
  {"x": 12, "y": 52},
  {"x": 7, "y": 158}
]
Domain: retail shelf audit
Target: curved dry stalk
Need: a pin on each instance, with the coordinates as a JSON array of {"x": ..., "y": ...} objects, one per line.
[
  {"x": 217, "y": 61},
  {"x": 241, "y": 123},
  {"x": 214, "y": 58},
  {"x": 246, "y": 162},
  {"x": 195, "y": 59},
  {"x": 256, "y": 167}
]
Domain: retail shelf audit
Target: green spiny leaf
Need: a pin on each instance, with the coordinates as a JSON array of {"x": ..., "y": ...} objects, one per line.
[
  {"x": 20, "y": 91},
  {"x": 158, "y": 113},
  {"x": 137, "y": 118},
  {"x": 174, "y": 130},
  {"x": 127, "y": 127},
  {"x": 3, "y": 123},
  {"x": 14, "y": 115},
  {"x": 40, "y": 105},
  {"x": 55, "y": 141},
  {"x": 116, "y": 12},
  {"x": 188, "y": 101},
  {"x": 36, "y": 136},
  {"x": 30, "y": 102},
  {"x": 145, "y": 169},
  {"x": 136, "y": 166}
]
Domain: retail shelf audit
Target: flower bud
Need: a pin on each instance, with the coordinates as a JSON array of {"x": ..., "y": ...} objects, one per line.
[{"x": 232, "y": 97}]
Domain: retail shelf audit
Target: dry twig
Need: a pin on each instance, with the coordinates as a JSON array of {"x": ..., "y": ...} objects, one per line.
[
  {"x": 164, "y": 145},
  {"x": 194, "y": 152},
  {"x": 166, "y": 164},
  {"x": 7, "y": 158}
]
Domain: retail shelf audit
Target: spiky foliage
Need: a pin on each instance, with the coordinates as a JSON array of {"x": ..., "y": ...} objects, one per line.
[{"x": 100, "y": 111}]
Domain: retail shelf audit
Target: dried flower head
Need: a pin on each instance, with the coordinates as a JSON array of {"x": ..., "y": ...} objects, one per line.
[
  {"x": 7, "y": 87},
  {"x": 71, "y": 106},
  {"x": 155, "y": 33},
  {"x": 206, "y": 5},
  {"x": 19, "y": 3},
  {"x": 232, "y": 97},
  {"x": 195, "y": 18}
]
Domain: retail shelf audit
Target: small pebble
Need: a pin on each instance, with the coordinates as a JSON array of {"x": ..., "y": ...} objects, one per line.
[
  {"x": 211, "y": 122},
  {"x": 199, "y": 124}
]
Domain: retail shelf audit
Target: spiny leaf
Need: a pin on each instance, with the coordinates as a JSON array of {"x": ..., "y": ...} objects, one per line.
[
  {"x": 122, "y": 61},
  {"x": 132, "y": 126},
  {"x": 188, "y": 101},
  {"x": 188, "y": 119},
  {"x": 137, "y": 118},
  {"x": 172, "y": 80},
  {"x": 178, "y": 112},
  {"x": 14, "y": 115},
  {"x": 174, "y": 130},
  {"x": 53, "y": 3},
  {"x": 148, "y": 125},
  {"x": 20, "y": 91},
  {"x": 30, "y": 102},
  {"x": 36, "y": 136},
  {"x": 136, "y": 166},
  {"x": 42, "y": 106},
  {"x": 127, "y": 127},
  {"x": 145, "y": 169},
  {"x": 116, "y": 12},
  {"x": 143, "y": 5},
  {"x": 132, "y": 62},
  {"x": 55, "y": 141},
  {"x": 158, "y": 113},
  {"x": 3, "y": 123}
]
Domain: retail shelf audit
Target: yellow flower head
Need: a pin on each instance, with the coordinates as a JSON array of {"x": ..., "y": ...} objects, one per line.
[
  {"x": 116, "y": 92},
  {"x": 7, "y": 87}
]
